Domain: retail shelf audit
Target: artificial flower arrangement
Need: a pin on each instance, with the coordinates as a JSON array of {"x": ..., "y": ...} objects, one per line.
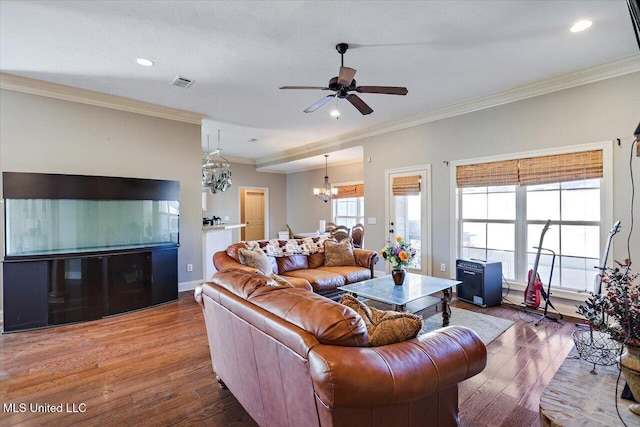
[
  {"x": 617, "y": 310},
  {"x": 399, "y": 253}
]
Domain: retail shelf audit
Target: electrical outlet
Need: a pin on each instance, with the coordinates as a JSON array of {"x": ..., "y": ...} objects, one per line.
[
  {"x": 226, "y": 218},
  {"x": 443, "y": 267},
  {"x": 189, "y": 267}
]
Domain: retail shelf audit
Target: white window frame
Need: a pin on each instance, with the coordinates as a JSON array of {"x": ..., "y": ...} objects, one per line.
[
  {"x": 606, "y": 201},
  {"x": 427, "y": 208},
  {"x": 333, "y": 210}
]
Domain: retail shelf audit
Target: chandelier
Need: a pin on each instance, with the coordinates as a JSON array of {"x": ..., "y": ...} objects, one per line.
[
  {"x": 216, "y": 170},
  {"x": 327, "y": 192}
]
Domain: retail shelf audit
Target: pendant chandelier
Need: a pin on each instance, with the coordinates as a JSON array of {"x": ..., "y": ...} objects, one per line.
[
  {"x": 216, "y": 170},
  {"x": 327, "y": 192}
]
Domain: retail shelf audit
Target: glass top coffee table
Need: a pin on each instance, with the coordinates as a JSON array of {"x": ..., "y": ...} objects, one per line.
[{"x": 416, "y": 288}]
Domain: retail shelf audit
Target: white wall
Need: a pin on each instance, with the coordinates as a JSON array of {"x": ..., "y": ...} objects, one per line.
[
  {"x": 304, "y": 210},
  {"x": 46, "y": 135},
  {"x": 228, "y": 203},
  {"x": 595, "y": 112}
]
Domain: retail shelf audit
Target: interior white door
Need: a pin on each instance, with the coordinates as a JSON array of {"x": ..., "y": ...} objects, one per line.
[
  {"x": 253, "y": 214},
  {"x": 409, "y": 213}
]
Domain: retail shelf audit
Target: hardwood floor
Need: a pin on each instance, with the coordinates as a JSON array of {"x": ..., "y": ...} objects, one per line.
[{"x": 153, "y": 367}]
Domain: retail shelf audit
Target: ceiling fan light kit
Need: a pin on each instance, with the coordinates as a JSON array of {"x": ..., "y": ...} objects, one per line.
[{"x": 344, "y": 83}]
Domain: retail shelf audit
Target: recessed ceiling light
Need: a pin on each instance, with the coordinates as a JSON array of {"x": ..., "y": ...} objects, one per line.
[
  {"x": 144, "y": 62},
  {"x": 581, "y": 26}
]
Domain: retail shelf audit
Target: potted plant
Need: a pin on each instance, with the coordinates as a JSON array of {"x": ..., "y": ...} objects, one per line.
[
  {"x": 617, "y": 312},
  {"x": 400, "y": 254}
]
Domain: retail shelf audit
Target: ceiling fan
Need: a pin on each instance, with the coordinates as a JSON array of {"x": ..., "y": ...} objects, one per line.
[{"x": 345, "y": 83}]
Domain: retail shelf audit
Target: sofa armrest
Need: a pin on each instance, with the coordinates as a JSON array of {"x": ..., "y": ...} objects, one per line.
[
  {"x": 365, "y": 258},
  {"x": 222, "y": 261},
  {"x": 386, "y": 375}
]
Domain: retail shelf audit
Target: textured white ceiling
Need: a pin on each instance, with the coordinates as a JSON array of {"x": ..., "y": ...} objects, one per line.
[{"x": 240, "y": 52}]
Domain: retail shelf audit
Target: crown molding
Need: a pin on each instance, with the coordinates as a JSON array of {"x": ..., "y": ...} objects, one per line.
[
  {"x": 626, "y": 65},
  {"x": 69, "y": 93},
  {"x": 274, "y": 169}
]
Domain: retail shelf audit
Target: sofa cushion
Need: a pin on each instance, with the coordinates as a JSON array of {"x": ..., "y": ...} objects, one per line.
[
  {"x": 241, "y": 282},
  {"x": 320, "y": 280},
  {"x": 316, "y": 260},
  {"x": 330, "y": 322},
  {"x": 338, "y": 253},
  {"x": 385, "y": 327},
  {"x": 351, "y": 274},
  {"x": 292, "y": 262},
  {"x": 255, "y": 259}
]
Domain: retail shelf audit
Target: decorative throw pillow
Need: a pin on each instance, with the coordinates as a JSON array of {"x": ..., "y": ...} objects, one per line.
[
  {"x": 338, "y": 253},
  {"x": 255, "y": 259},
  {"x": 281, "y": 281},
  {"x": 385, "y": 327}
]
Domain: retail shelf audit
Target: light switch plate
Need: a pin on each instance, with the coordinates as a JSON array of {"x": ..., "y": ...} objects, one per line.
[{"x": 371, "y": 220}]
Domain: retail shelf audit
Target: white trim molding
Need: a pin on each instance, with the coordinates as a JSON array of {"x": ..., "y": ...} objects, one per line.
[
  {"x": 188, "y": 286},
  {"x": 98, "y": 99},
  {"x": 424, "y": 170}
]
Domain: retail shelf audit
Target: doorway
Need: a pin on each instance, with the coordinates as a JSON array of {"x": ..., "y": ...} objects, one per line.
[
  {"x": 408, "y": 212},
  {"x": 254, "y": 213}
]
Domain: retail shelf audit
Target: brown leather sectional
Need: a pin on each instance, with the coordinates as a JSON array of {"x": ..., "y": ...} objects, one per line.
[
  {"x": 307, "y": 271},
  {"x": 294, "y": 358}
]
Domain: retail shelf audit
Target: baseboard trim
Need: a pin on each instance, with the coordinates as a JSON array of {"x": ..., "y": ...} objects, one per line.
[{"x": 188, "y": 286}]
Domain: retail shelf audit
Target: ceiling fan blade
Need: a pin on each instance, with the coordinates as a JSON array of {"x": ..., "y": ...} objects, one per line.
[
  {"x": 389, "y": 90},
  {"x": 319, "y": 104},
  {"x": 346, "y": 76},
  {"x": 357, "y": 102},
  {"x": 304, "y": 87}
]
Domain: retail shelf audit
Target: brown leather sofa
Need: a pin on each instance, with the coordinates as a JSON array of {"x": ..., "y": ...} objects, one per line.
[
  {"x": 307, "y": 271},
  {"x": 294, "y": 358}
]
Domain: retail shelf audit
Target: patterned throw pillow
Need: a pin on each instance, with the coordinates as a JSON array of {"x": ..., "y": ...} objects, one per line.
[
  {"x": 385, "y": 327},
  {"x": 338, "y": 253},
  {"x": 281, "y": 281},
  {"x": 255, "y": 259}
]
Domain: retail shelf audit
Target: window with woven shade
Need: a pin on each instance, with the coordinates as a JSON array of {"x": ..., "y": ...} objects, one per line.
[
  {"x": 352, "y": 190},
  {"x": 406, "y": 185},
  {"x": 532, "y": 170},
  {"x": 503, "y": 205},
  {"x": 348, "y": 206}
]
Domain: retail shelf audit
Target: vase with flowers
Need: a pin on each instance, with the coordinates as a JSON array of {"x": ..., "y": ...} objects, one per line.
[
  {"x": 617, "y": 312},
  {"x": 399, "y": 254}
]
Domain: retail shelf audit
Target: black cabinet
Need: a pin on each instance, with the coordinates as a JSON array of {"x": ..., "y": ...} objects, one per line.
[{"x": 40, "y": 293}]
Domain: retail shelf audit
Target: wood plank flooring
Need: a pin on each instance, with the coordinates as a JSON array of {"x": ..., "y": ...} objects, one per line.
[{"x": 153, "y": 367}]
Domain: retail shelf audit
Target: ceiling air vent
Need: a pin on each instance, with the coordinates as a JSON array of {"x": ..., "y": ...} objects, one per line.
[{"x": 182, "y": 82}]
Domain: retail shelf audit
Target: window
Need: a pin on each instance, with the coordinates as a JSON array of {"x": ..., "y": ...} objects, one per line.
[
  {"x": 348, "y": 206},
  {"x": 407, "y": 212},
  {"x": 503, "y": 206}
]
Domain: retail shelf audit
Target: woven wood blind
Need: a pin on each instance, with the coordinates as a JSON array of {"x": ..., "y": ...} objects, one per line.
[
  {"x": 561, "y": 168},
  {"x": 486, "y": 174},
  {"x": 353, "y": 190},
  {"x": 532, "y": 170},
  {"x": 406, "y": 185}
]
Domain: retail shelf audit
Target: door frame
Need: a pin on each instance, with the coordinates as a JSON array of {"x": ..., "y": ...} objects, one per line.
[
  {"x": 266, "y": 207},
  {"x": 426, "y": 219}
]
